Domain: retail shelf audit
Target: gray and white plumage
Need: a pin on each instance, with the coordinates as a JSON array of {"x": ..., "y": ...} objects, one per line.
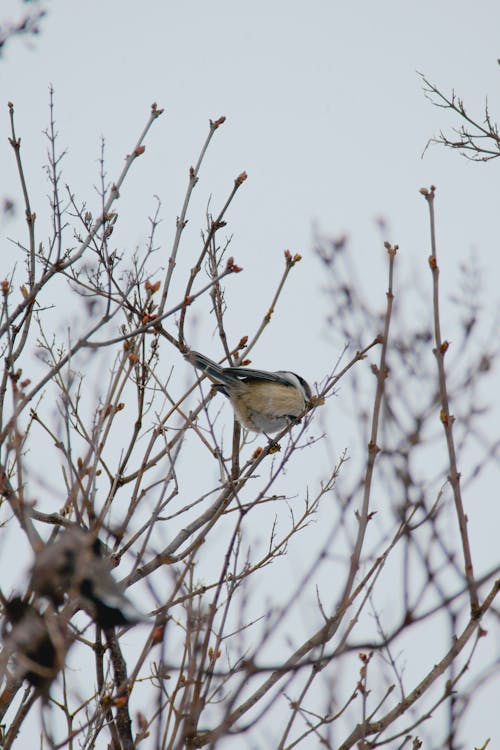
[
  {"x": 35, "y": 642},
  {"x": 262, "y": 401},
  {"x": 74, "y": 565}
]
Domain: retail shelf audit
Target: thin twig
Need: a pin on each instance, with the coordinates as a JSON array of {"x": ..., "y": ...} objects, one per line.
[{"x": 447, "y": 419}]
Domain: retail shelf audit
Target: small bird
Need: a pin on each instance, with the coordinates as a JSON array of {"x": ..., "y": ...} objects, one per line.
[
  {"x": 73, "y": 564},
  {"x": 35, "y": 642},
  {"x": 262, "y": 401}
]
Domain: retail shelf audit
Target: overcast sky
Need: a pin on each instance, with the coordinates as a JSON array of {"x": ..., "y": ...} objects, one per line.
[{"x": 325, "y": 111}]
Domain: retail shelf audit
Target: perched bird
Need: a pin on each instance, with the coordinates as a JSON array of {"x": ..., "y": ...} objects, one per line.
[
  {"x": 73, "y": 565},
  {"x": 262, "y": 401},
  {"x": 36, "y": 643},
  {"x": 54, "y": 571},
  {"x": 103, "y": 599}
]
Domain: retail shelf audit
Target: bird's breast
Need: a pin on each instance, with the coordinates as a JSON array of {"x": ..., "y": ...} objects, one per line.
[{"x": 264, "y": 406}]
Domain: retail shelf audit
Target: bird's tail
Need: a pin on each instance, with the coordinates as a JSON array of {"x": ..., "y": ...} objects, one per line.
[{"x": 212, "y": 369}]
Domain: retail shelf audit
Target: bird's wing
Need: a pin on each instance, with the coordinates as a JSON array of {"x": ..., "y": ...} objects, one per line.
[{"x": 245, "y": 373}]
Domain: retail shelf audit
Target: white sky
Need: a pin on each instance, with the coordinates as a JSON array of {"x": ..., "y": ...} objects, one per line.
[{"x": 325, "y": 112}]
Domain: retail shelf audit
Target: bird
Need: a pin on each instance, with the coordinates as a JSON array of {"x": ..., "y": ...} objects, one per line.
[
  {"x": 264, "y": 402},
  {"x": 36, "y": 643},
  {"x": 74, "y": 564}
]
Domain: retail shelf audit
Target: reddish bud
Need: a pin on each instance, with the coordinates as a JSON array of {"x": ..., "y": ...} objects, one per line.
[
  {"x": 242, "y": 342},
  {"x": 139, "y": 150},
  {"x": 120, "y": 701},
  {"x": 141, "y": 721},
  {"x": 157, "y": 635},
  {"x": 149, "y": 287},
  {"x": 155, "y": 111},
  {"x": 232, "y": 267},
  {"x": 446, "y": 419},
  {"x": 240, "y": 179},
  {"x": 291, "y": 260},
  {"x": 391, "y": 249}
]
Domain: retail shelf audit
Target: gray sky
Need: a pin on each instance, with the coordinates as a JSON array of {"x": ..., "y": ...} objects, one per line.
[{"x": 325, "y": 111}]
